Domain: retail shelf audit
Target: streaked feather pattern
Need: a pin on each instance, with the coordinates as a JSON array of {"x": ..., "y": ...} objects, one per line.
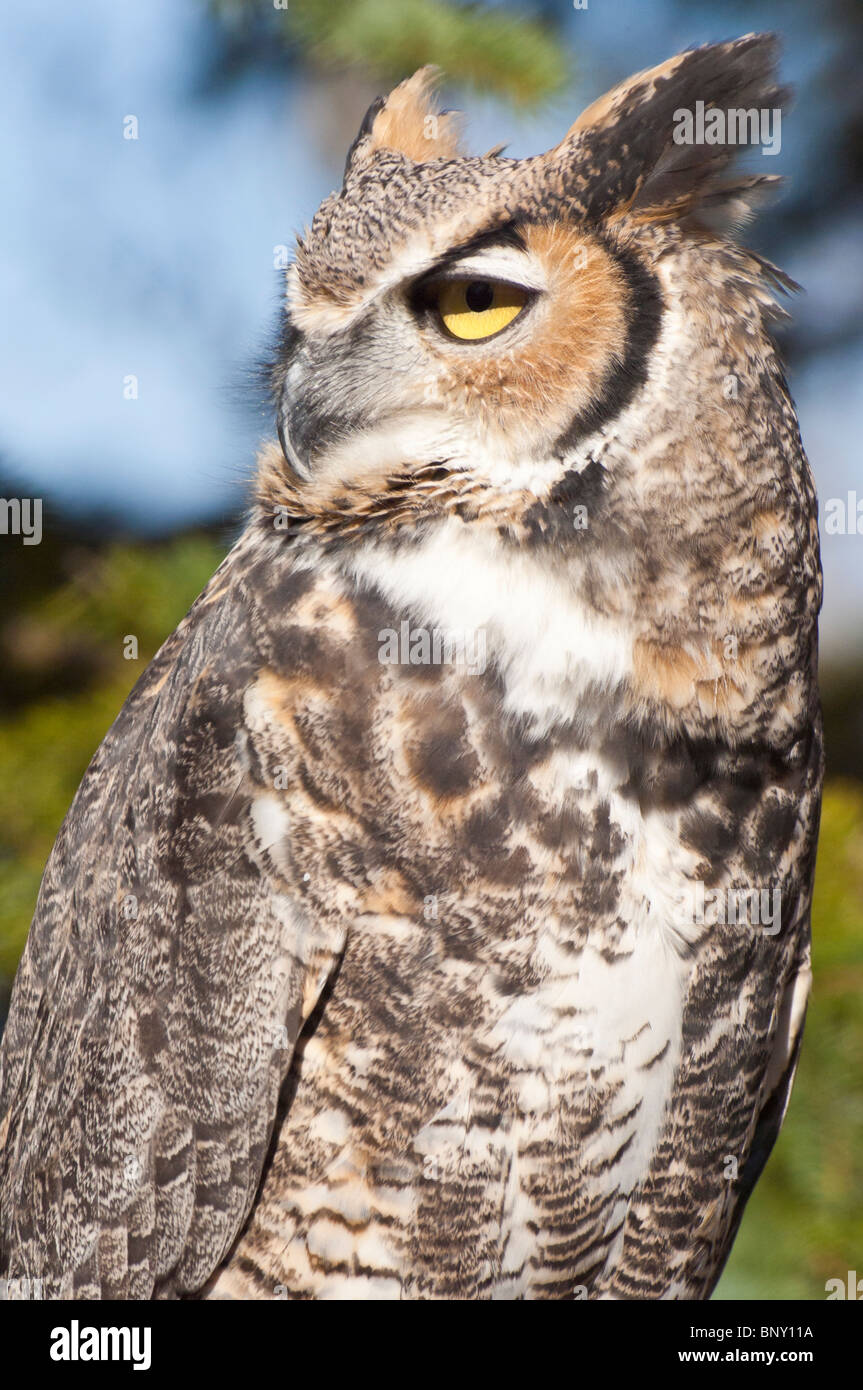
[{"x": 352, "y": 978}]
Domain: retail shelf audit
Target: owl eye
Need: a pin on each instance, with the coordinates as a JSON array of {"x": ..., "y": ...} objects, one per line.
[{"x": 478, "y": 308}]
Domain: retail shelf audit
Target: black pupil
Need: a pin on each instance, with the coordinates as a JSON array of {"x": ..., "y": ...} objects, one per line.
[{"x": 479, "y": 296}]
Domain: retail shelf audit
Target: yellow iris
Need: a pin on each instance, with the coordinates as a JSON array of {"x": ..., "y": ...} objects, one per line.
[{"x": 478, "y": 308}]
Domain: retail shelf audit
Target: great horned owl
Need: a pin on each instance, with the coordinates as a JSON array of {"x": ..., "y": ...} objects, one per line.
[{"x": 400, "y": 942}]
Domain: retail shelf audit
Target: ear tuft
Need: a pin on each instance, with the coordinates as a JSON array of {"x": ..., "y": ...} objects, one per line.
[
  {"x": 410, "y": 122},
  {"x": 658, "y": 145}
]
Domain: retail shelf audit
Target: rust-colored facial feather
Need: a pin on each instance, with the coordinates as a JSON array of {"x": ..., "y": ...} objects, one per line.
[
  {"x": 410, "y": 123},
  {"x": 575, "y": 333}
]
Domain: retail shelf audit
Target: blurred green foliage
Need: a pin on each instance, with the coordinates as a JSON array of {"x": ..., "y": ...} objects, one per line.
[
  {"x": 485, "y": 47},
  {"x": 804, "y": 1223},
  {"x": 46, "y": 743}
]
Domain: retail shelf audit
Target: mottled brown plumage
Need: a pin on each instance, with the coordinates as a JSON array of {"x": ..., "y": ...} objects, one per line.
[{"x": 361, "y": 976}]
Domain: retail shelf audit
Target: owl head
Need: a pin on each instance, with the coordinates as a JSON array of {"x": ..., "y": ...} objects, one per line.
[{"x": 480, "y": 324}]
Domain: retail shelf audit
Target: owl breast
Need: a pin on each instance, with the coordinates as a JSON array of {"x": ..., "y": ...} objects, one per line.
[{"x": 484, "y": 1085}]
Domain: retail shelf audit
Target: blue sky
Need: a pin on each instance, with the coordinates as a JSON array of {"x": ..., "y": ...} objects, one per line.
[{"x": 154, "y": 257}]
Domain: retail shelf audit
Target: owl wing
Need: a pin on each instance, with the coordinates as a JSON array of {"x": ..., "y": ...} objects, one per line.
[
  {"x": 165, "y": 981},
  {"x": 742, "y": 1028},
  {"x": 775, "y": 1095}
]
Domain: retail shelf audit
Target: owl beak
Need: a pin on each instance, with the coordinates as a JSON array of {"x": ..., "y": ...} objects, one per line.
[
  {"x": 309, "y": 425},
  {"x": 292, "y": 458}
]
